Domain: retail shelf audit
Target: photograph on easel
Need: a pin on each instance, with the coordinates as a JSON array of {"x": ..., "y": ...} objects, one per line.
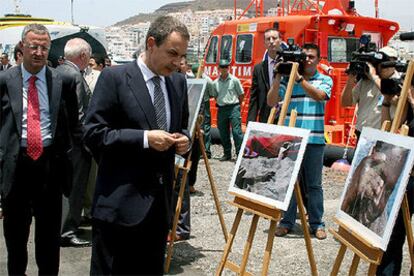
[
  {"x": 195, "y": 92},
  {"x": 376, "y": 184},
  {"x": 268, "y": 163}
]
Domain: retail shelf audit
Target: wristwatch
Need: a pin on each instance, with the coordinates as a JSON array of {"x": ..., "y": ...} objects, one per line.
[{"x": 300, "y": 79}]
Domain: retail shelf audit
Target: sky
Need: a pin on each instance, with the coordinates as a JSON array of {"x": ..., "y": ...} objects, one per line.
[{"x": 104, "y": 13}]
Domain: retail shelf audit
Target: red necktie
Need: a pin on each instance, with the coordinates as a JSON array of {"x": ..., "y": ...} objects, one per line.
[{"x": 34, "y": 136}]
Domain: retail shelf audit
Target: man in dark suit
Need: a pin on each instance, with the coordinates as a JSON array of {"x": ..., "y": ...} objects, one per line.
[
  {"x": 262, "y": 78},
  {"x": 135, "y": 125},
  {"x": 5, "y": 62},
  {"x": 38, "y": 116},
  {"x": 77, "y": 54}
]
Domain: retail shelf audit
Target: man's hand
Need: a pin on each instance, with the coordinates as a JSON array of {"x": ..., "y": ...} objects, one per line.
[
  {"x": 372, "y": 73},
  {"x": 352, "y": 79},
  {"x": 182, "y": 143},
  {"x": 298, "y": 76},
  {"x": 391, "y": 99},
  {"x": 160, "y": 140}
]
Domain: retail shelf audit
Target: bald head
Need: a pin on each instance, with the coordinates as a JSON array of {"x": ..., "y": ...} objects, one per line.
[{"x": 78, "y": 51}]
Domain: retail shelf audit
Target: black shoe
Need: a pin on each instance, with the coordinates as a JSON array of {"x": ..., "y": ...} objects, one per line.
[
  {"x": 73, "y": 241},
  {"x": 225, "y": 158}
]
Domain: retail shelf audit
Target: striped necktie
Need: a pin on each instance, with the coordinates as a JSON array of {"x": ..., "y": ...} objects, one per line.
[{"x": 159, "y": 104}]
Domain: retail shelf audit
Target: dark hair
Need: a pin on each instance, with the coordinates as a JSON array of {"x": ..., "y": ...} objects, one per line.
[
  {"x": 99, "y": 59},
  {"x": 17, "y": 49},
  {"x": 163, "y": 26},
  {"x": 5, "y": 55},
  {"x": 312, "y": 46}
]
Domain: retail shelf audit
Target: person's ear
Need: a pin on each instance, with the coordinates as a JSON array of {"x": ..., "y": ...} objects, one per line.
[{"x": 151, "y": 43}]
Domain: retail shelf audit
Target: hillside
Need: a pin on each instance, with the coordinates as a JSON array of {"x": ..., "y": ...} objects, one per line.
[{"x": 197, "y": 5}]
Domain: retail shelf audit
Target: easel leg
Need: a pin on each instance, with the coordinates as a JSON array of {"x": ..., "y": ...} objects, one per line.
[
  {"x": 372, "y": 269},
  {"x": 176, "y": 217},
  {"x": 338, "y": 260},
  {"x": 212, "y": 184},
  {"x": 305, "y": 228},
  {"x": 229, "y": 241},
  {"x": 408, "y": 229},
  {"x": 354, "y": 265},
  {"x": 269, "y": 247},
  {"x": 248, "y": 245}
]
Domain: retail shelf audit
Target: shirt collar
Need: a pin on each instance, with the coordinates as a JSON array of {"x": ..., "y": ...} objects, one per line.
[
  {"x": 146, "y": 72},
  {"x": 269, "y": 60},
  {"x": 315, "y": 76},
  {"x": 41, "y": 75},
  {"x": 228, "y": 77}
]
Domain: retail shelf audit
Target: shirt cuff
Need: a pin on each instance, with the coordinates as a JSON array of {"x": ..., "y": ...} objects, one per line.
[{"x": 146, "y": 146}]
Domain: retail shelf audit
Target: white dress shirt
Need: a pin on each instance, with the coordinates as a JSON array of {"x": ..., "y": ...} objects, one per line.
[{"x": 148, "y": 75}]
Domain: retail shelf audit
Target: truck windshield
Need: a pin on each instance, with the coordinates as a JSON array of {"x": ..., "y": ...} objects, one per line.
[
  {"x": 340, "y": 49},
  {"x": 212, "y": 50},
  {"x": 225, "y": 48},
  {"x": 244, "y": 48}
]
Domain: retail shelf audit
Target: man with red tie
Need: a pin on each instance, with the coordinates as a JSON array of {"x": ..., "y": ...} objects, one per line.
[{"x": 39, "y": 120}]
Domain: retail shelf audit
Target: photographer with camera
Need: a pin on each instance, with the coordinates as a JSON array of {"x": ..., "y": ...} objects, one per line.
[
  {"x": 392, "y": 258},
  {"x": 310, "y": 93},
  {"x": 363, "y": 87}
]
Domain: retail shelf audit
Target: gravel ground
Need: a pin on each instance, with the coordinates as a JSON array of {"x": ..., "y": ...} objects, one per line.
[{"x": 201, "y": 254}]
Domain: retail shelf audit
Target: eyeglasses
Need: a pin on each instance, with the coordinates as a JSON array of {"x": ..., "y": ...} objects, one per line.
[{"x": 34, "y": 48}]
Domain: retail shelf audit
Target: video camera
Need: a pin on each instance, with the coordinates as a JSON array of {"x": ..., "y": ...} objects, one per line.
[
  {"x": 293, "y": 53},
  {"x": 367, "y": 53},
  {"x": 392, "y": 86}
]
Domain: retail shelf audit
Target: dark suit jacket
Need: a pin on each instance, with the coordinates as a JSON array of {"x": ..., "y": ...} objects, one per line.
[
  {"x": 82, "y": 90},
  {"x": 64, "y": 124},
  {"x": 258, "y": 93},
  {"x": 8, "y": 66},
  {"x": 129, "y": 176}
]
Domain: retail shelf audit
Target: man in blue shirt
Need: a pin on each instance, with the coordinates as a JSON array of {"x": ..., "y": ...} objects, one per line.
[{"x": 309, "y": 96}]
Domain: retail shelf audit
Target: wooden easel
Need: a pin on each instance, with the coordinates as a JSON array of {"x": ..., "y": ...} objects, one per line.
[
  {"x": 260, "y": 209},
  {"x": 361, "y": 248},
  {"x": 185, "y": 169}
]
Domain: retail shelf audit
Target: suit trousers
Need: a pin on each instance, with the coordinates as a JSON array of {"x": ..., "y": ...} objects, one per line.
[
  {"x": 72, "y": 206},
  {"x": 34, "y": 193},
  {"x": 229, "y": 116},
  {"x": 184, "y": 220},
  {"x": 131, "y": 250},
  {"x": 207, "y": 127}
]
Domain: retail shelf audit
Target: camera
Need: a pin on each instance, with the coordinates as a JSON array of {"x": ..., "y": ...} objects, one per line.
[
  {"x": 367, "y": 53},
  {"x": 392, "y": 86},
  {"x": 292, "y": 53}
]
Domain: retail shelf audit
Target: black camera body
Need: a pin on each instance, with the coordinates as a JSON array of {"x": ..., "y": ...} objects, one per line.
[
  {"x": 367, "y": 53},
  {"x": 391, "y": 86},
  {"x": 292, "y": 54}
]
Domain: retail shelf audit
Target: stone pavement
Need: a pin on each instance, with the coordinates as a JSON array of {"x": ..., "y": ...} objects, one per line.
[{"x": 75, "y": 261}]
